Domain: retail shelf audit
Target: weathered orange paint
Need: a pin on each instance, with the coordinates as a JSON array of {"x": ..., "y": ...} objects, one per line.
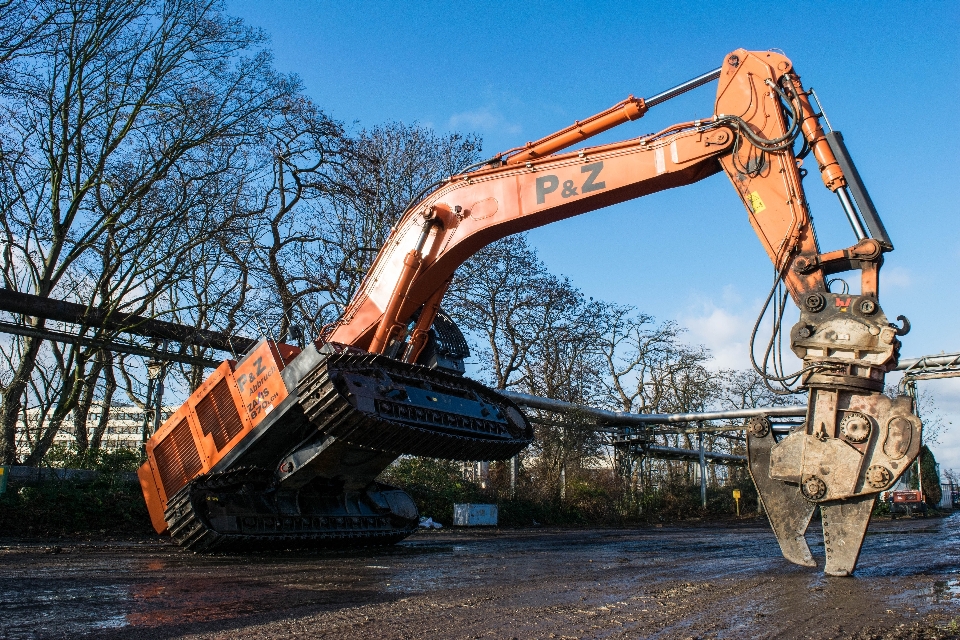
[
  {"x": 258, "y": 383},
  {"x": 153, "y": 495},
  {"x": 255, "y": 389}
]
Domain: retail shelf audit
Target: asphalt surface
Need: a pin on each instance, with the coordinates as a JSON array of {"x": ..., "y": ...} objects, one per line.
[{"x": 709, "y": 581}]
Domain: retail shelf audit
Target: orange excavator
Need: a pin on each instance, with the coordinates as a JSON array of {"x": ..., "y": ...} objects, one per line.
[{"x": 283, "y": 448}]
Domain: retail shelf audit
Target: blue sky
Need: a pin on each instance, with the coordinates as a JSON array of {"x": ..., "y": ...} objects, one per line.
[{"x": 886, "y": 72}]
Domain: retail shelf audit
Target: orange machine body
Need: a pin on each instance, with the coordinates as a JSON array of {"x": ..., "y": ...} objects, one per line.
[{"x": 220, "y": 413}]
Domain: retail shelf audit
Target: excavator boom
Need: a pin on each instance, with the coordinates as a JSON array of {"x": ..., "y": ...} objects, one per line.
[{"x": 855, "y": 443}]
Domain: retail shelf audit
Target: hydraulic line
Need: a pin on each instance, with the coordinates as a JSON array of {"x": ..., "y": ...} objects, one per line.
[
  {"x": 774, "y": 144},
  {"x": 785, "y": 380}
]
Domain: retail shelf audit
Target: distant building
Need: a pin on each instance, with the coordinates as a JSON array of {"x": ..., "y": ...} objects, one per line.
[{"x": 124, "y": 428}]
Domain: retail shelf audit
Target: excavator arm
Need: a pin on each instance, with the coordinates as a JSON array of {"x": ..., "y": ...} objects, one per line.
[
  {"x": 534, "y": 186},
  {"x": 856, "y": 441}
]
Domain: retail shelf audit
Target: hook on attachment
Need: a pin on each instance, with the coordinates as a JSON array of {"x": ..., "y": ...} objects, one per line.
[{"x": 904, "y": 327}]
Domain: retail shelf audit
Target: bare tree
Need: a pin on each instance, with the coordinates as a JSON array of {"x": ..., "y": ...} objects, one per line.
[
  {"x": 117, "y": 108},
  {"x": 745, "y": 389},
  {"x": 505, "y": 297},
  {"x": 566, "y": 364},
  {"x": 327, "y": 202},
  {"x": 394, "y": 164},
  {"x": 648, "y": 368},
  {"x": 305, "y": 154},
  {"x": 22, "y": 25},
  {"x": 536, "y": 333},
  {"x": 925, "y": 407}
]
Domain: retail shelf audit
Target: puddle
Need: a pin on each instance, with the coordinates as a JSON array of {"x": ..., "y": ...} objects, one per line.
[
  {"x": 900, "y": 532},
  {"x": 114, "y": 622},
  {"x": 422, "y": 580},
  {"x": 941, "y": 591},
  {"x": 96, "y": 591},
  {"x": 69, "y": 610}
]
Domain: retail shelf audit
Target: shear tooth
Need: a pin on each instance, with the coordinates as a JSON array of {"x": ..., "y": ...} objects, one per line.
[
  {"x": 789, "y": 513},
  {"x": 844, "y": 527}
]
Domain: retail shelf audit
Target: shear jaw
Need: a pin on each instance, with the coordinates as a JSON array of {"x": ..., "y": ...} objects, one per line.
[
  {"x": 788, "y": 512},
  {"x": 853, "y": 445}
]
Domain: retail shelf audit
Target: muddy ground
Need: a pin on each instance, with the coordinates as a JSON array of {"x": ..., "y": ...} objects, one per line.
[{"x": 715, "y": 581}]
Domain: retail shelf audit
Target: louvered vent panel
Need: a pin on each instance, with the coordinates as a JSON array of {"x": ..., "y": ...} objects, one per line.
[
  {"x": 178, "y": 460},
  {"x": 219, "y": 416}
]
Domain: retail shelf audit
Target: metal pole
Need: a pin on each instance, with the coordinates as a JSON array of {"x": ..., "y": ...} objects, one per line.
[
  {"x": 158, "y": 415},
  {"x": 703, "y": 473},
  {"x": 159, "y": 400},
  {"x": 154, "y": 400},
  {"x": 513, "y": 476},
  {"x": 640, "y": 484},
  {"x": 644, "y": 419},
  {"x": 670, "y": 453},
  {"x": 147, "y": 407},
  {"x": 912, "y": 390},
  {"x": 855, "y": 187}
]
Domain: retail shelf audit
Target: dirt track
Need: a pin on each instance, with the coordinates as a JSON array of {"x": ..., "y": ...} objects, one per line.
[{"x": 670, "y": 582}]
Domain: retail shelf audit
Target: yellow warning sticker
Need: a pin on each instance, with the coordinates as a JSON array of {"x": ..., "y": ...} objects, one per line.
[{"x": 755, "y": 202}]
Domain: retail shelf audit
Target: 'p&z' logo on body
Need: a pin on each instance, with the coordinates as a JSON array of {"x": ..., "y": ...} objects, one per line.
[{"x": 550, "y": 183}]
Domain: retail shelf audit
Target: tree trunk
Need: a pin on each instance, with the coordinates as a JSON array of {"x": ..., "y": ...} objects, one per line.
[
  {"x": 109, "y": 388},
  {"x": 85, "y": 401},
  {"x": 12, "y": 398},
  {"x": 69, "y": 395}
]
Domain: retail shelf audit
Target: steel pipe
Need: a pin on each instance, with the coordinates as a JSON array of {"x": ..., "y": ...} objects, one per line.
[
  {"x": 107, "y": 345},
  {"x": 868, "y": 211},
  {"x": 945, "y": 360},
  {"x": 852, "y": 214},
  {"x": 620, "y": 417},
  {"x": 691, "y": 454},
  {"x": 63, "y": 311}
]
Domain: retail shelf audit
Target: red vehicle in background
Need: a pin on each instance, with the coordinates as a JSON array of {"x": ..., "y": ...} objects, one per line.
[{"x": 906, "y": 502}]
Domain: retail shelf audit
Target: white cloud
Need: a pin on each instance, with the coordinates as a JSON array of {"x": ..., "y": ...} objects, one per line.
[
  {"x": 721, "y": 331},
  {"x": 896, "y": 278},
  {"x": 483, "y": 120},
  {"x": 723, "y": 325},
  {"x": 946, "y": 398}
]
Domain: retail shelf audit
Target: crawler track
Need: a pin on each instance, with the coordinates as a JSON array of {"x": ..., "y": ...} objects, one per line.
[
  {"x": 363, "y": 400},
  {"x": 366, "y": 400},
  {"x": 240, "y": 510}
]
